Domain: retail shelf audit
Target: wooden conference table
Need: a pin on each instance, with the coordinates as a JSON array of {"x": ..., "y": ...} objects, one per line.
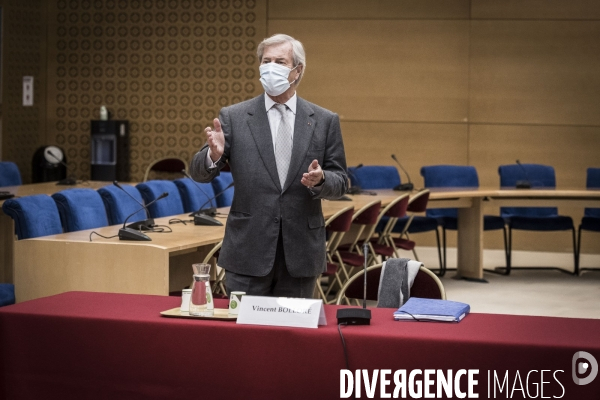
[
  {"x": 66, "y": 262},
  {"x": 82, "y": 345}
]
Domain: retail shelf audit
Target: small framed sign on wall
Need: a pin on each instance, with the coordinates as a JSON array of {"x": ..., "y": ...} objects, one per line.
[{"x": 28, "y": 90}]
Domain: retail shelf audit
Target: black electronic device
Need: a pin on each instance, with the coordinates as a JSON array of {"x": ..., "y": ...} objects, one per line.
[
  {"x": 357, "y": 316},
  {"x": 49, "y": 154},
  {"x": 523, "y": 184},
  {"x": 354, "y": 189},
  {"x": 403, "y": 186},
  {"x": 109, "y": 150},
  {"x": 145, "y": 225},
  {"x": 131, "y": 234}
]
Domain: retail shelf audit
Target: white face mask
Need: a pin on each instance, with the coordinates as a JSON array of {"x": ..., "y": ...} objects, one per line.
[{"x": 274, "y": 78}]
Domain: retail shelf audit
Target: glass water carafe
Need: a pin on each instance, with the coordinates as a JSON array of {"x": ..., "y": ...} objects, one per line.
[{"x": 201, "y": 301}]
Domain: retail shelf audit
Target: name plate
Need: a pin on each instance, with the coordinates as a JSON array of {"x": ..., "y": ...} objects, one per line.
[{"x": 281, "y": 311}]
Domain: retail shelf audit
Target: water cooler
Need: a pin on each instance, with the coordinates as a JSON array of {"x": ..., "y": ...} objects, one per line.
[{"x": 110, "y": 150}]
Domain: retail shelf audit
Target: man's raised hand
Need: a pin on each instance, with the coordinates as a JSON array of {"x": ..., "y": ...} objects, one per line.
[{"x": 215, "y": 140}]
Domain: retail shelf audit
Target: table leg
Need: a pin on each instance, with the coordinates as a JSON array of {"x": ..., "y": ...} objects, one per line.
[{"x": 470, "y": 242}]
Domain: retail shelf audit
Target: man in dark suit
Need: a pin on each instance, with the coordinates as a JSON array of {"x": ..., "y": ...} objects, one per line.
[{"x": 285, "y": 155}]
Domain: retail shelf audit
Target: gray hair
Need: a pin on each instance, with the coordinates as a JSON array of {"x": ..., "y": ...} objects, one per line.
[{"x": 297, "y": 50}]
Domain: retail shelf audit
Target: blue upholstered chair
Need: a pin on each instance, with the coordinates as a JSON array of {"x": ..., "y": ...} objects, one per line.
[
  {"x": 457, "y": 176},
  {"x": 533, "y": 218},
  {"x": 7, "y": 294},
  {"x": 119, "y": 206},
  {"x": 9, "y": 174},
  {"x": 195, "y": 194},
  {"x": 80, "y": 209},
  {"x": 34, "y": 216},
  {"x": 591, "y": 217},
  {"x": 373, "y": 177},
  {"x": 170, "y": 205},
  {"x": 219, "y": 184}
]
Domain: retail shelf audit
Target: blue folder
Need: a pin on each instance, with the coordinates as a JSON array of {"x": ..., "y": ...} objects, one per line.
[{"x": 417, "y": 309}]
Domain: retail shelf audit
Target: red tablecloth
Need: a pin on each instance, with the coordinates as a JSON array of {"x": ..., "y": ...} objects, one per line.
[{"x": 81, "y": 345}]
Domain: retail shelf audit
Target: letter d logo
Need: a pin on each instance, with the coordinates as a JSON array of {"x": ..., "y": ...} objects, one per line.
[{"x": 582, "y": 367}]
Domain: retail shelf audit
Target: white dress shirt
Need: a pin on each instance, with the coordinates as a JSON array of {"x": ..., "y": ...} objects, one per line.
[{"x": 274, "y": 121}]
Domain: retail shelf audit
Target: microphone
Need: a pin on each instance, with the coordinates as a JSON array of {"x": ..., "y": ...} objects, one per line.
[
  {"x": 131, "y": 234},
  {"x": 357, "y": 316},
  {"x": 205, "y": 216},
  {"x": 403, "y": 186},
  {"x": 526, "y": 184},
  {"x": 354, "y": 189},
  {"x": 208, "y": 211},
  {"x": 146, "y": 224},
  {"x": 203, "y": 219},
  {"x": 66, "y": 181}
]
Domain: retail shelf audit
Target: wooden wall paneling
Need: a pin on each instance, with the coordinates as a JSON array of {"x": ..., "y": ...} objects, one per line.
[
  {"x": 415, "y": 145},
  {"x": 535, "y": 9},
  {"x": 405, "y": 70},
  {"x": 359, "y": 9},
  {"x": 570, "y": 150},
  {"x": 535, "y": 72}
]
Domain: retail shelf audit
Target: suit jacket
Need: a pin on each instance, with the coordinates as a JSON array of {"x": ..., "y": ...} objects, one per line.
[{"x": 260, "y": 205}]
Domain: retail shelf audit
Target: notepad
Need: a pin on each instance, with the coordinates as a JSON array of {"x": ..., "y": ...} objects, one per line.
[{"x": 417, "y": 309}]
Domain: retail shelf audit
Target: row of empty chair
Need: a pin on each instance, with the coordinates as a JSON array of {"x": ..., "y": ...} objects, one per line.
[
  {"x": 346, "y": 257},
  {"x": 82, "y": 208},
  {"x": 510, "y": 218}
]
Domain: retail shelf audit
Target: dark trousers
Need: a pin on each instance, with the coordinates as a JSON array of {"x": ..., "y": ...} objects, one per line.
[{"x": 277, "y": 283}]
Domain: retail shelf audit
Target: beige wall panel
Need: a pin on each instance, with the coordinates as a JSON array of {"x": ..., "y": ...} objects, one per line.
[
  {"x": 415, "y": 145},
  {"x": 570, "y": 150},
  {"x": 360, "y": 9},
  {"x": 535, "y": 9},
  {"x": 385, "y": 70},
  {"x": 535, "y": 72}
]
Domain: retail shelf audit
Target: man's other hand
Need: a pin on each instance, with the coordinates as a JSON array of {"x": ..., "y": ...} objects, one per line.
[
  {"x": 314, "y": 176},
  {"x": 215, "y": 140}
]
